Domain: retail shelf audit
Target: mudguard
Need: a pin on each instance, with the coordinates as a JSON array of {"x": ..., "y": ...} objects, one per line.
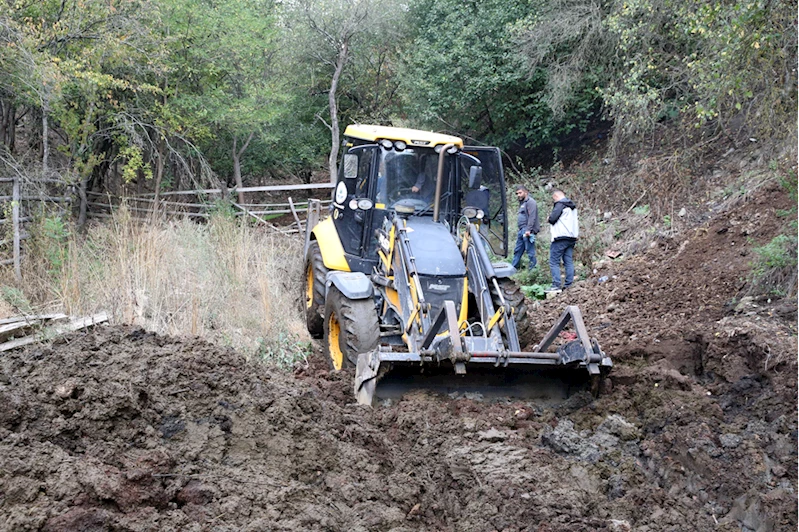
[
  {"x": 354, "y": 285},
  {"x": 330, "y": 245}
]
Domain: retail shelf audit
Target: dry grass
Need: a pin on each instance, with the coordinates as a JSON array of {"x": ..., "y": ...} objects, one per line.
[{"x": 224, "y": 281}]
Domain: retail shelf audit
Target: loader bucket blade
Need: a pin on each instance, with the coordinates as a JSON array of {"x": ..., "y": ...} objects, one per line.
[{"x": 544, "y": 387}]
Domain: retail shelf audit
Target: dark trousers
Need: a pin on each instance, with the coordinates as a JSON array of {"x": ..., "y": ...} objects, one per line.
[
  {"x": 561, "y": 250},
  {"x": 524, "y": 244}
]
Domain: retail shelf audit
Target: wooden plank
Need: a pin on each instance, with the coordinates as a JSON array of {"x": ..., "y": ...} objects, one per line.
[
  {"x": 266, "y": 188},
  {"x": 20, "y": 328},
  {"x": 269, "y": 225},
  {"x": 301, "y": 205},
  {"x": 137, "y": 209},
  {"x": 145, "y": 200},
  {"x": 38, "y": 317},
  {"x": 22, "y": 219},
  {"x": 294, "y": 213},
  {"x": 54, "y": 199},
  {"x": 74, "y": 325}
]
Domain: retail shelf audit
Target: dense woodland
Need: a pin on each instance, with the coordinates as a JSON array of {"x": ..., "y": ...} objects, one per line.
[{"x": 183, "y": 93}]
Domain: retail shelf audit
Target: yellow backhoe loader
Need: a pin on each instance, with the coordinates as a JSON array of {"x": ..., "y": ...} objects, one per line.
[{"x": 401, "y": 283}]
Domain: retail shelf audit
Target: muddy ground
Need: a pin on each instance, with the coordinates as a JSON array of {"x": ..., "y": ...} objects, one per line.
[{"x": 120, "y": 429}]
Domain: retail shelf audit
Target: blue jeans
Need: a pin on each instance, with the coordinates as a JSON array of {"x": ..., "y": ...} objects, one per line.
[
  {"x": 524, "y": 244},
  {"x": 561, "y": 250}
]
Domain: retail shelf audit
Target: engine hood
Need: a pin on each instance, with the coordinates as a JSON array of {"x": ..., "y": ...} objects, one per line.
[{"x": 434, "y": 249}]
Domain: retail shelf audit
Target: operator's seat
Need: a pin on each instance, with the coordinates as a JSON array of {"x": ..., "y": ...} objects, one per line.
[{"x": 478, "y": 198}]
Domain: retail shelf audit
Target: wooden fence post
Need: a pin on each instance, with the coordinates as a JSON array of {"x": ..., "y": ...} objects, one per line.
[{"x": 15, "y": 220}]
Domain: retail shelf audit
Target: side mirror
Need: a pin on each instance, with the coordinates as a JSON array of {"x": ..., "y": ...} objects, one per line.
[
  {"x": 350, "y": 166},
  {"x": 475, "y": 177}
]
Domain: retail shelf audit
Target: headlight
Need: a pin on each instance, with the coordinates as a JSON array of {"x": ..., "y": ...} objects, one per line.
[
  {"x": 400, "y": 145},
  {"x": 387, "y": 144},
  {"x": 451, "y": 150},
  {"x": 473, "y": 213}
]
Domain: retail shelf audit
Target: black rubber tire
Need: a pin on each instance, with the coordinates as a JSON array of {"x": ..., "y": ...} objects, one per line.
[
  {"x": 518, "y": 302},
  {"x": 315, "y": 274},
  {"x": 358, "y": 329}
]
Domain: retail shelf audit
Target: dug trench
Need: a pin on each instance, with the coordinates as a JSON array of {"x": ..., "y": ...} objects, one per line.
[{"x": 696, "y": 429}]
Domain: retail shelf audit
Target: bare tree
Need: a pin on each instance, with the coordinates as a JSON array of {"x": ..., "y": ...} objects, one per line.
[{"x": 334, "y": 30}]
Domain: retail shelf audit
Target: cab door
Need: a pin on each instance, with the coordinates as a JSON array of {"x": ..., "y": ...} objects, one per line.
[
  {"x": 354, "y": 183},
  {"x": 495, "y": 226}
]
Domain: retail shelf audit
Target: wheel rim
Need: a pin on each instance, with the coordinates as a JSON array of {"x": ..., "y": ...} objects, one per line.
[
  {"x": 309, "y": 286},
  {"x": 333, "y": 346}
]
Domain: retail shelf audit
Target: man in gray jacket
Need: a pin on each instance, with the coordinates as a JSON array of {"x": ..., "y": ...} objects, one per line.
[
  {"x": 564, "y": 233},
  {"x": 529, "y": 226}
]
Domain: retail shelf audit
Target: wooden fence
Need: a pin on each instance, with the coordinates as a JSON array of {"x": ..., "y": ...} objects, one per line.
[
  {"x": 20, "y": 197},
  {"x": 200, "y": 204}
]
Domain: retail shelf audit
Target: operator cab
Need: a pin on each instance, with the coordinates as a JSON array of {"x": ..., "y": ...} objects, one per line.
[{"x": 386, "y": 170}]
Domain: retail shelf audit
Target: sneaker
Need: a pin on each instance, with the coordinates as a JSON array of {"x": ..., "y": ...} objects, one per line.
[{"x": 552, "y": 290}]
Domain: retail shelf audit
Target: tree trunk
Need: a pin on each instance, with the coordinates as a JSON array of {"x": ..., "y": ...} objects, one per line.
[
  {"x": 46, "y": 142},
  {"x": 159, "y": 172},
  {"x": 237, "y": 165},
  {"x": 8, "y": 125},
  {"x": 84, "y": 182},
  {"x": 332, "y": 103},
  {"x": 12, "y": 130}
]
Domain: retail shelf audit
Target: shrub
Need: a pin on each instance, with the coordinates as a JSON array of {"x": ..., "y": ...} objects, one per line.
[{"x": 775, "y": 266}]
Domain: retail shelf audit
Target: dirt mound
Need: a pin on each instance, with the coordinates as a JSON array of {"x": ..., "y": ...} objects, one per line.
[{"x": 119, "y": 429}]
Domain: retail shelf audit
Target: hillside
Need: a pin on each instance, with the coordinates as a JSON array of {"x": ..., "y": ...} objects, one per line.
[{"x": 121, "y": 429}]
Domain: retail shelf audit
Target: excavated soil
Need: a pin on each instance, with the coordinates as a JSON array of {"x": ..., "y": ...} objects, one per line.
[{"x": 696, "y": 429}]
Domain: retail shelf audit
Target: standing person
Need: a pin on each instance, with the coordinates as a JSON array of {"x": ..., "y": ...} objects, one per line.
[
  {"x": 564, "y": 232},
  {"x": 529, "y": 226}
]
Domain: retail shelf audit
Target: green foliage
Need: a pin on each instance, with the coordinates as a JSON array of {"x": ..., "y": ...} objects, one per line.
[
  {"x": 780, "y": 252},
  {"x": 50, "y": 236},
  {"x": 133, "y": 164},
  {"x": 704, "y": 61},
  {"x": 539, "y": 275},
  {"x": 641, "y": 210},
  {"x": 774, "y": 270},
  {"x": 463, "y": 72},
  {"x": 16, "y": 298},
  {"x": 788, "y": 182},
  {"x": 535, "y": 291},
  {"x": 221, "y": 211},
  {"x": 184, "y": 81},
  {"x": 566, "y": 41},
  {"x": 284, "y": 350}
]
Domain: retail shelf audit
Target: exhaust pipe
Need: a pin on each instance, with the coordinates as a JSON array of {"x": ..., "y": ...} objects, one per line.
[{"x": 440, "y": 180}]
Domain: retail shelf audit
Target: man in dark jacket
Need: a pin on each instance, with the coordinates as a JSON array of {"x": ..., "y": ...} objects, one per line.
[
  {"x": 564, "y": 233},
  {"x": 529, "y": 226}
]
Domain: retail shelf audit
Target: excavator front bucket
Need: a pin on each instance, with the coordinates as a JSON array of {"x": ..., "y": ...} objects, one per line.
[{"x": 462, "y": 365}]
